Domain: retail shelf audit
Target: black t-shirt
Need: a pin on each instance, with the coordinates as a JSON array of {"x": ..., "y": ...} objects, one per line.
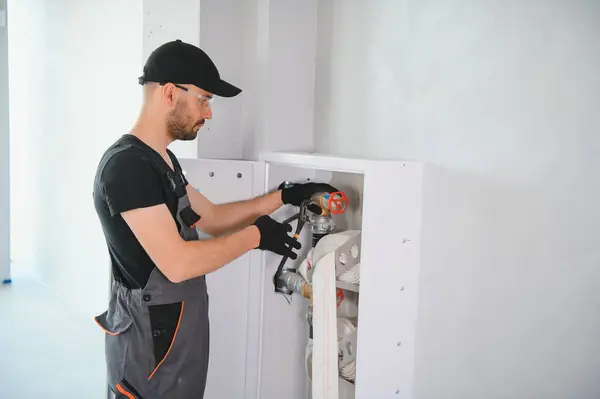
[{"x": 126, "y": 179}]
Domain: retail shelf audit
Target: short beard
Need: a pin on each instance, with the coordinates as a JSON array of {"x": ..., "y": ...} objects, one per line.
[{"x": 179, "y": 125}]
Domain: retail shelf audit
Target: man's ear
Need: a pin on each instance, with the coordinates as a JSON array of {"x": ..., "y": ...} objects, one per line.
[{"x": 168, "y": 94}]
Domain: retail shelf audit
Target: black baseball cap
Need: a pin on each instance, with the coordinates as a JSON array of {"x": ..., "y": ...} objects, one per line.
[{"x": 183, "y": 63}]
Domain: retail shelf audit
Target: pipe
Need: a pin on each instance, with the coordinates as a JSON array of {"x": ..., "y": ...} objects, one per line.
[{"x": 296, "y": 283}]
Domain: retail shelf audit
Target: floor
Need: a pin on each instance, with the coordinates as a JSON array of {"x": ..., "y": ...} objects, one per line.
[{"x": 45, "y": 350}]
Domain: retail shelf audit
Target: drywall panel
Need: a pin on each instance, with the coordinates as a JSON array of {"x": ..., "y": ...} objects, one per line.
[
  {"x": 256, "y": 73},
  {"x": 222, "y": 37},
  {"x": 267, "y": 48},
  {"x": 233, "y": 308},
  {"x": 164, "y": 21},
  {"x": 503, "y": 97},
  {"x": 291, "y": 81},
  {"x": 4, "y": 149},
  {"x": 346, "y": 75}
]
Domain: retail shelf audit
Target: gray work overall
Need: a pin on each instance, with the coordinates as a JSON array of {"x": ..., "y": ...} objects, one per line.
[{"x": 133, "y": 371}]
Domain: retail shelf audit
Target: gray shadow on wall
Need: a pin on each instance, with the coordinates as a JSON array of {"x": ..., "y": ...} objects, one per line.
[{"x": 340, "y": 115}]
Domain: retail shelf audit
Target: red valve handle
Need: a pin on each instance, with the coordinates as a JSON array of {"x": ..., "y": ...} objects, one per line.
[{"x": 337, "y": 203}]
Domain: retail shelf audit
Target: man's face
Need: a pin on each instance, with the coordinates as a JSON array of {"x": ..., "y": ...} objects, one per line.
[{"x": 189, "y": 114}]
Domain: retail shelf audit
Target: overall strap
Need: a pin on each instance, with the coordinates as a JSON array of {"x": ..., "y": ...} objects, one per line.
[
  {"x": 176, "y": 180},
  {"x": 178, "y": 170}
]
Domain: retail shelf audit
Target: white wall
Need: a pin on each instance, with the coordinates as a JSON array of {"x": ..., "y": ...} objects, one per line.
[
  {"x": 221, "y": 36},
  {"x": 74, "y": 91},
  {"x": 267, "y": 48},
  {"x": 4, "y": 150},
  {"x": 503, "y": 97},
  {"x": 27, "y": 91}
]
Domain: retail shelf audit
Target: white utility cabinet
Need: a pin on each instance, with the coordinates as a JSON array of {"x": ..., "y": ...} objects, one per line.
[{"x": 258, "y": 339}]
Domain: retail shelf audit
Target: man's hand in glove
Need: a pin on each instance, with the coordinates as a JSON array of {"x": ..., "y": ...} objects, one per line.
[
  {"x": 296, "y": 193},
  {"x": 274, "y": 237}
]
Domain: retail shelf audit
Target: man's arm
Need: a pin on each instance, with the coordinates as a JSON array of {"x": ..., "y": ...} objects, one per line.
[
  {"x": 224, "y": 218},
  {"x": 181, "y": 260},
  {"x": 218, "y": 219}
]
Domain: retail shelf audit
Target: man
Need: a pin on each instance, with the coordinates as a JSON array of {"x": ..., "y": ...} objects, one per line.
[{"x": 157, "y": 327}]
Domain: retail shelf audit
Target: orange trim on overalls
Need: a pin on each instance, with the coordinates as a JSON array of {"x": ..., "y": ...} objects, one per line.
[
  {"x": 172, "y": 342},
  {"x": 105, "y": 330},
  {"x": 124, "y": 392}
]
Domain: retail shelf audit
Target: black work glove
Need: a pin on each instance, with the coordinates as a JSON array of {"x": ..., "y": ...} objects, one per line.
[
  {"x": 274, "y": 237},
  {"x": 296, "y": 193}
]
